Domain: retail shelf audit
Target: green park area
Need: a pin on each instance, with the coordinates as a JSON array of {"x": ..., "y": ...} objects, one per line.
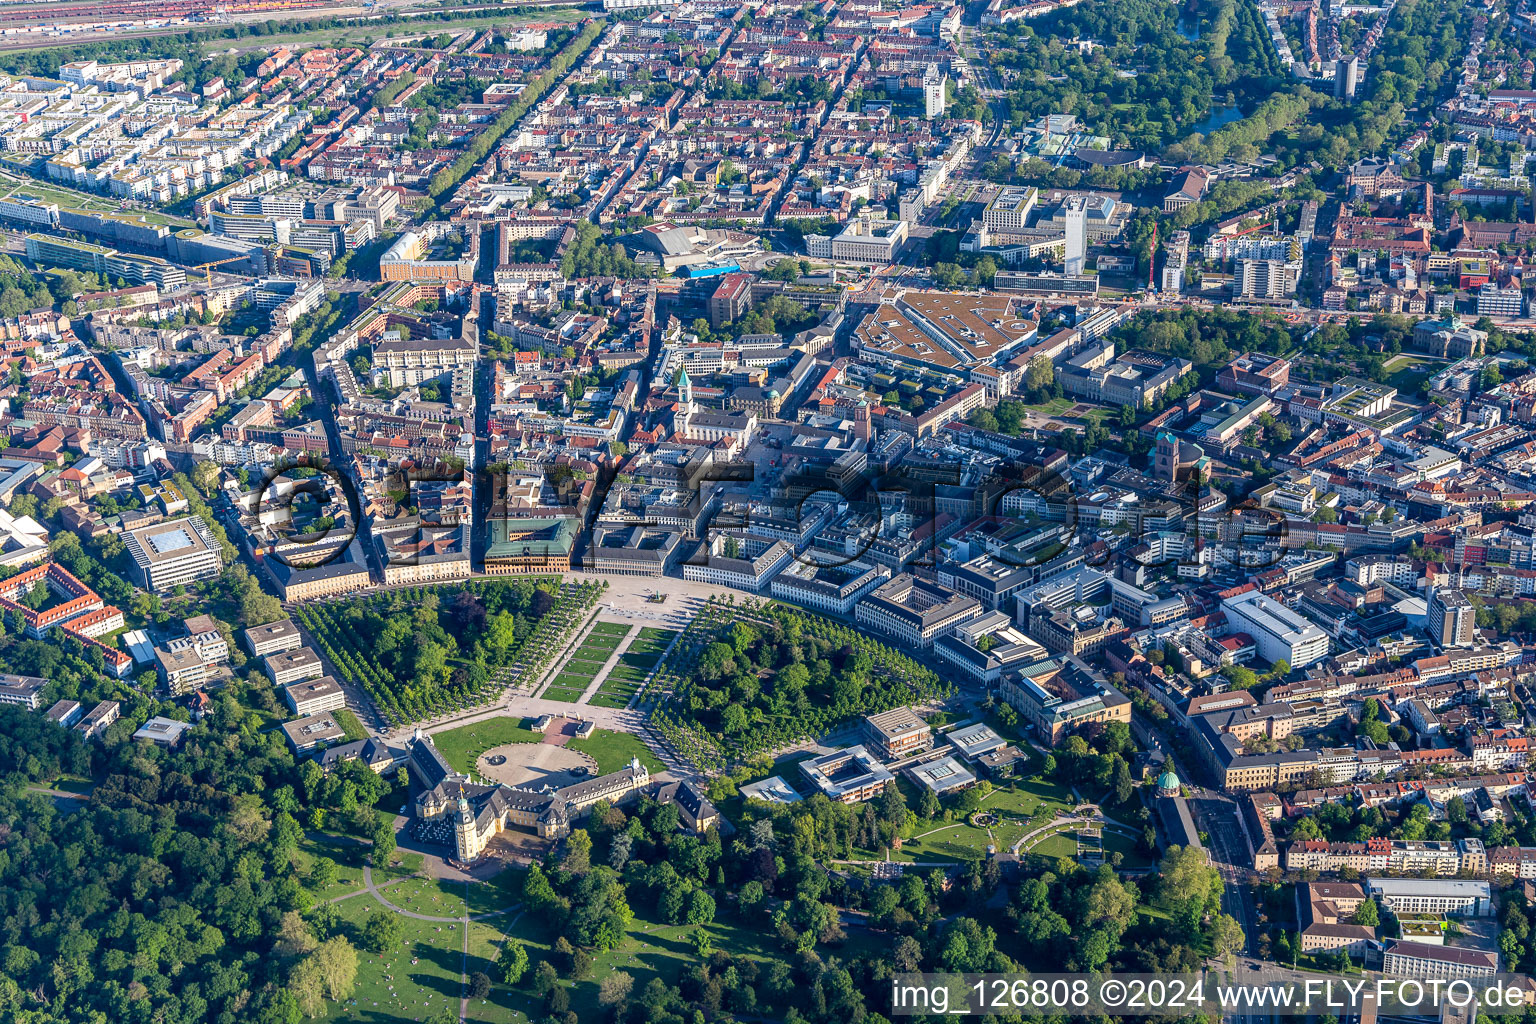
[
  {"x": 586, "y": 662},
  {"x": 626, "y": 677},
  {"x": 615, "y": 750},
  {"x": 462, "y": 747},
  {"x": 1019, "y": 807}
]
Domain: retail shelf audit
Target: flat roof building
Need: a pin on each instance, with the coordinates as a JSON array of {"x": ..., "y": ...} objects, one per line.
[
  {"x": 897, "y": 733},
  {"x": 915, "y": 611},
  {"x": 773, "y": 790},
  {"x": 848, "y": 776},
  {"x": 1421, "y": 960},
  {"x": 1461, "y": 896},
  {"x": 974, "y": 741},
  {"x": 312, "y": 696},
  {"x": 312, "y": 731},
  {"x": 273, "y": 637},
  {"x": 162, "y": 731},
  {"x": 1279, "y": 632},
  {"x": 173, "y": 553},
  {"x": 65, "y": 713},
  {"x": 23, "y": 690},
  {"x": 943, "y": 777},
  {"x": 291, "y": 666}
]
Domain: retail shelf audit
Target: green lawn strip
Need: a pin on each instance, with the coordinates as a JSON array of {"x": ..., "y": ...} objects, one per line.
[
  {"x": 463, "y": 746},
  {"x": 605, "y": 700},
  {"x": 351, "y": 728},
  {"x": 571, "y": 681},
  {"x": 563, "y": 696},
  {"x": 655, "y": 633},
  {"x": 613, "y": 750}
]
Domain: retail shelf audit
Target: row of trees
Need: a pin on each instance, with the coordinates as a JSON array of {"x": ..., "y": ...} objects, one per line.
[{"x": 449, "y": 177}]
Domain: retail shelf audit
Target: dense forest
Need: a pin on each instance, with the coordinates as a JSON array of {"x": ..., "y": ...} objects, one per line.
[{"x": 170, "y": 894}]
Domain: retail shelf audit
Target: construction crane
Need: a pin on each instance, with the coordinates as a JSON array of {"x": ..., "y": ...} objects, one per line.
[{"x": 203, "y": 268}]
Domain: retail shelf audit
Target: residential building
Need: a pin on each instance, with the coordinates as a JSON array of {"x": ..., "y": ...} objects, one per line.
[{"x": 1452, "y": 619}]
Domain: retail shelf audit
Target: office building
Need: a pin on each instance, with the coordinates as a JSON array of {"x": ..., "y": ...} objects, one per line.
[
  {"x": 304, "y": 734},
  {"x": 1279, "y": 633},
  {"x": 312, "y": 696},
  {"x": 848, "y": 776},
  {"x": 1495, "y": 301},
  {"x": 1076, "y": 211},
  {"x": 914, "y": 611},
  {"x": 174, "y": 553},
  {"x": 1346, "y": 78},
  {"x": 1009, "y": 210},
  {"x": 897, "y": 733},
  {"x": 1454, "y": 896},
  {"x": 273, "y": 638},
  {"x": 23, "y": 690},
  {"x": 292, "y": 666},
  {"x": 1422, "y": 960},
  {"x": 162, "y": 731}
]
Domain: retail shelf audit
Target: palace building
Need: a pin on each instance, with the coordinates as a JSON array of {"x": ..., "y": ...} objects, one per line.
[{"x": 480, "y": 812}]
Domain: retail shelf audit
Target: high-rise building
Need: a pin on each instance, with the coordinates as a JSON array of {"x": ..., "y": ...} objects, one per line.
[
  {"x": 1346, "y": 78},
  {"x": 1176, "y": 258},
  {"x": 1451, "y": 618},
  {"x": 1077, "y": 235},
  {"x": 934, "y": 97}
]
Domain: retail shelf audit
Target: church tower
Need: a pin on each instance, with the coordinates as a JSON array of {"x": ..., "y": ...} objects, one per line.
[
  {"x": 685, "y": 389},
  {"x": 464, "y": 830}
]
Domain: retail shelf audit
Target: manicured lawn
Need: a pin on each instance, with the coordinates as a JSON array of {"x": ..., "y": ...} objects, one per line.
[
  {"x": 613, "y": 750},
  {"x": 1407, "y": 373},
  {"x": 628, "y": 673},
  {"x": 463, "y": 746},
  {"x": 1054, "y": 407},
  {"x": 563, "y": 694},
  {"x": 962, "y": 841}
]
